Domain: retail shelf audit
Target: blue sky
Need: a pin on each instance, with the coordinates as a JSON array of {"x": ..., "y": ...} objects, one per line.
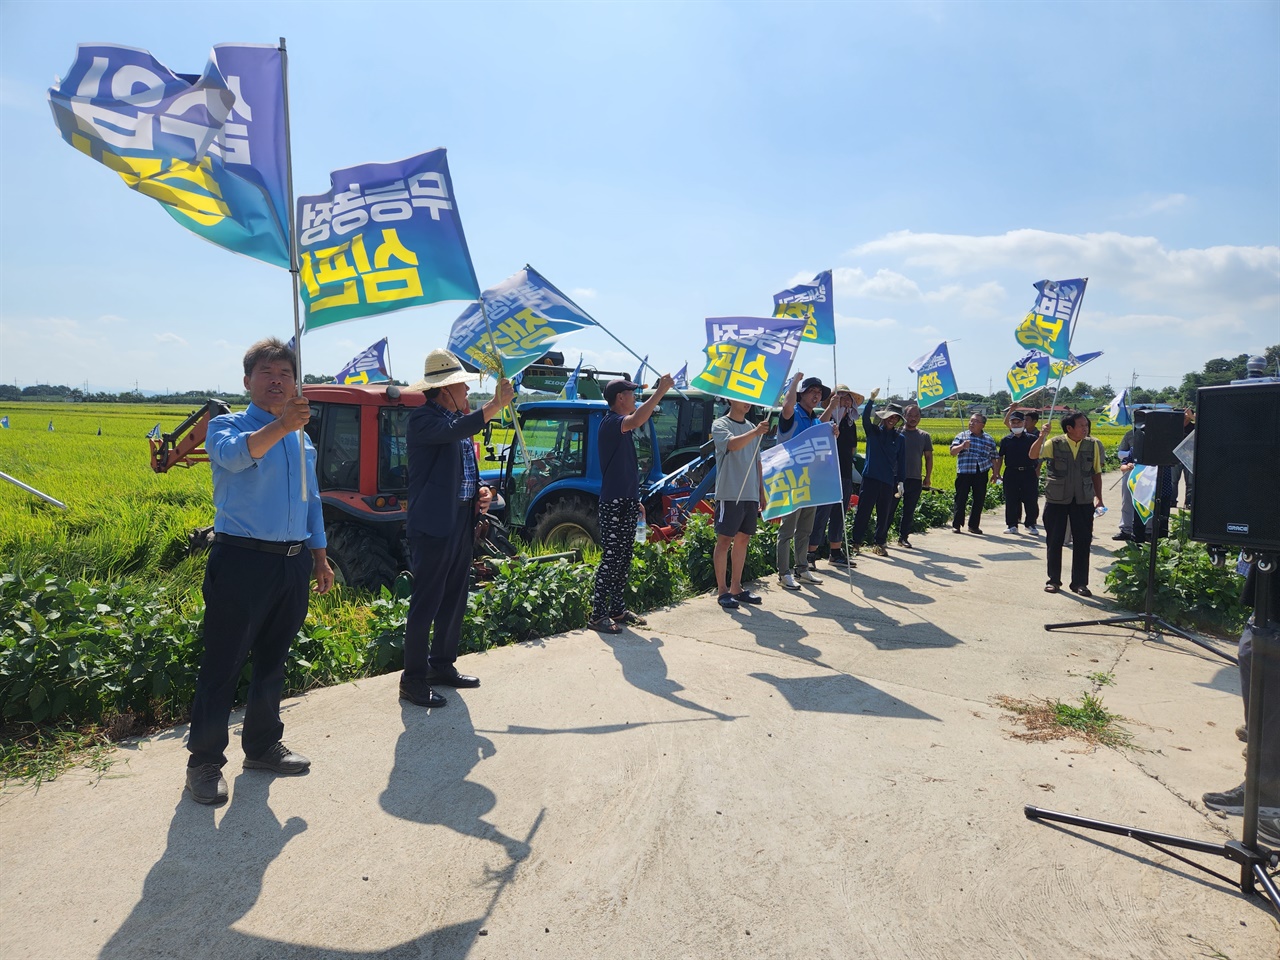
[{"x": 663, "y": 163}]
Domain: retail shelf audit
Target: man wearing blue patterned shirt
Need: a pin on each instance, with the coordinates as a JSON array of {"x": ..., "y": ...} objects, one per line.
[
  {"x": 974, "y": 451},
  {"x": 268, "y": 543}
]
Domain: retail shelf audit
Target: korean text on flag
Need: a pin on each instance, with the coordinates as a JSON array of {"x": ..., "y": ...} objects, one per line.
[
  {"x": 749, "y": 358},
  {"x": 386, "y": 236},
  {"x": 803, "y": 472}
]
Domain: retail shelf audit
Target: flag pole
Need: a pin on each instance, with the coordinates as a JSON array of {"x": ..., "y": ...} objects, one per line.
[
  {"x": 493, "y": 345},
  {"x": 293, "y": 259},
  {"x": 1071, "y": 332}
]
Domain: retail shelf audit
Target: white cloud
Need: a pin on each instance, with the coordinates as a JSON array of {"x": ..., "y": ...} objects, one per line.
[
  {"x": 169, "y": 337},
  {"x": 1170, "y": 202},
  {"x": 866, "y": 323},
  {"x": 582, "y": 293}
]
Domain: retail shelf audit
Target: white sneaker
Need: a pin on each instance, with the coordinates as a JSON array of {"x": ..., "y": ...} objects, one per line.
[
  {"x": 1010, "y": 529},
  {"x": 1033, "y": 530},
  {"x": 809, "y": 576},
  {"x": 788, "y": 581}
]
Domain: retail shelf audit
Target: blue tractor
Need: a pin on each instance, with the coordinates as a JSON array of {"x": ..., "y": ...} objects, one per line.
[{"x": 550, "y": 485}]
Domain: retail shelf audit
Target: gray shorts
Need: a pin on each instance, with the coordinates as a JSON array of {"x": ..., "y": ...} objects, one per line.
[{"x": 736, "y": 516}]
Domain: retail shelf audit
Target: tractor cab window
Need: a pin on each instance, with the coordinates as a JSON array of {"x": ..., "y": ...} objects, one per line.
[
  {"x": 339, "y": 447},
  {"x": 666, "y": 423},
  {"x": 554, "y": 448},
  {"x": 393, "y": 450}
]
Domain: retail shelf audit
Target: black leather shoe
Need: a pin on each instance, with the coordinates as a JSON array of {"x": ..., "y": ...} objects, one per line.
[
  {"x": 279, "y": 759},
  {"x": 452, "y": 678},
  {"x": 420, "y": 694},
  {"x": 206, "y": 783}
]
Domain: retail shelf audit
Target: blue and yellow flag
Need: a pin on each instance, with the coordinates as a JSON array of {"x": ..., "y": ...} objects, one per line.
[
  {"x": 210, "y": 149},
  {"x": 813, "y": 303},
  {"x": 570, "y": 390},
  {"x": 4, "y": 423},
  {"x": 749, "y": 358},
  {"x": 682, "y": 378},
  {"x": 368, "y": 366},
  {"x": 1118, "y": 409},
  {"x": 1047, "y": 327},
  {"x": 385, "y": 237},
  {"x": 803, "y": 472},
  {"x": 1029, "y": 375},
  {"x": 527, "y": 315},
  {"x": 1142, "y": 488},
  {"x": 935, "y": 379}
]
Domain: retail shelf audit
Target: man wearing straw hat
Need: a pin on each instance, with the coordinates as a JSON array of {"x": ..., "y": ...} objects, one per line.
[
  {"x": 885, "y": 467},
  {"x": 444, "y": 497}
]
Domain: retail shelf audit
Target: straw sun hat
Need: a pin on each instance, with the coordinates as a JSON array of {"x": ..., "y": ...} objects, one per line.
[{"x": 441, "y": 369}]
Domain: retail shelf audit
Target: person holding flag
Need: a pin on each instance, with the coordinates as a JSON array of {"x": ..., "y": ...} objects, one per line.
[
  {"x": 882, "y": 474},
  {"x": 740, "y": 498},
  {"x": 445, "y": 495},
  {"x": 1073, "y": 492},
  {"x": 799, "y": 413},
  {"x": 620, "y": 509}
]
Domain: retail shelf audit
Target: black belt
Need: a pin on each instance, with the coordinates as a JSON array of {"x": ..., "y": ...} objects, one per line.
[{"x": 265, "y": 546}]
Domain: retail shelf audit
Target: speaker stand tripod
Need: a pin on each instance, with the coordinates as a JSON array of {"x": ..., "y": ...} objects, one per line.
[
  {"x": 1253, "y": 859},
  {"x": 1150, "y": 622}
]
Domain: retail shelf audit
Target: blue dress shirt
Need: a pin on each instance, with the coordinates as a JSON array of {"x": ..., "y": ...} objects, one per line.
[{"x": 262, "y": 498}]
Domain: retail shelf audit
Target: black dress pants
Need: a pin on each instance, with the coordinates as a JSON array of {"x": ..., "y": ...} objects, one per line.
[
  {"x": 1252, "y": 657},
  {"x": 877, "y": 495},
  {"x": 441, "y": 576},
  {"x": 1021, "y": 496},
  {"x": 254, "y": 605},
  {"x": 1079, "y": 516},
  {"x": 966, "y": 482}
]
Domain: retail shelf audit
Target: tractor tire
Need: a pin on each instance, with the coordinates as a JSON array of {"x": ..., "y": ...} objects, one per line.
[
  {"x": 569, "y": 522},
  {"x": 360, "y": 558}
]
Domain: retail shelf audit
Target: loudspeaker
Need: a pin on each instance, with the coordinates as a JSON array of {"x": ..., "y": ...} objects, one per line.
[
  {"x": 1237, "y": 466},
  {"x": 1155, "y": 434}
]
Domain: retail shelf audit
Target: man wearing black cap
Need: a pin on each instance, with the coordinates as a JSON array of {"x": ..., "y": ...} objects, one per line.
[
  {"x": 619, "y": 510},
  {"x": 1021, "y": 476},
  {"x": 798, "y": 415}
]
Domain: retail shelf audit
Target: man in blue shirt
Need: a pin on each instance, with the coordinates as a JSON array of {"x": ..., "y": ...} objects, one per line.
[
  {"x": 444, "y": 497},
  {"x": 885, "y": 468},
  {"x": 974, "y": 451},
  {"x": 619, "y": 511},
  {"x": 268, "y": 543}
]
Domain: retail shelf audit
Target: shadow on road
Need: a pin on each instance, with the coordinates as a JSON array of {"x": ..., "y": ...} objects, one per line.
[
  {"x": 841, "y": 693},
  {"x": 645, "y": 669}
]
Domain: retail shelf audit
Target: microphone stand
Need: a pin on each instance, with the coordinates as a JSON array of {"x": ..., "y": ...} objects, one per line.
[{"x": 1253, "y": 859}]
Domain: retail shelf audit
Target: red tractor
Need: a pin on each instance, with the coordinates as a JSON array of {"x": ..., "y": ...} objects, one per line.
[{"x": 362, "y": 464}]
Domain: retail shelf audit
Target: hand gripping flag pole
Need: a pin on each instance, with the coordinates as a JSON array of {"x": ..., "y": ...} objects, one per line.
[{"x": 293, "y": 262}]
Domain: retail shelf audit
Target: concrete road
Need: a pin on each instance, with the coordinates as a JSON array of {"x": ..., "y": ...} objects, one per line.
[{"x": 822, "y": 776}]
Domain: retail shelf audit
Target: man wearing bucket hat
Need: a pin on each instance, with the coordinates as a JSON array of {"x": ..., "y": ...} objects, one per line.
[
  {"x": 798, "y": 415},
  {"x": 444, "y": 494},
  {"x": 885, "y": 467}
]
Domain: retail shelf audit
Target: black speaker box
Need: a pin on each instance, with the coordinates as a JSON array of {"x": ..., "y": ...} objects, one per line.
[
  {"x": 1155, "y": 434},
  {"x": 1237, "y": 466}
]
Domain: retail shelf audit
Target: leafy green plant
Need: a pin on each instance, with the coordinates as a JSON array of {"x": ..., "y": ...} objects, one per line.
[{"x": 1189, "y": 590}]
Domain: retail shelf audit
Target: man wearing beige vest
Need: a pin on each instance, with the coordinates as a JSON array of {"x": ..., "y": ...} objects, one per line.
[{"x": 1073, "y": 490}]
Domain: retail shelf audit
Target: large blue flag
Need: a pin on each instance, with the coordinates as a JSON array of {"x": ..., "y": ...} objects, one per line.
[
  {"x": 749, "y": 358},
  {"x": 1072, "y": 363},
  {"x": 1047, "y": 327},
  {"x": 935, "y": 379},
  {"x": 814, "y": 304},
  {"x": 210, "y": 149},
  {"x": 803, "y": 472},
  {"x": 527, "y": 315},
  {"x": 368, "y": 366},
  {"x": 386, "y": 236}
]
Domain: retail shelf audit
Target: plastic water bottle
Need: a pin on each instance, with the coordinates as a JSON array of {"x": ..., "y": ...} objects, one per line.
[
  {"x": 642, "y": 530},
  {"x": 1100, "y": 511}
]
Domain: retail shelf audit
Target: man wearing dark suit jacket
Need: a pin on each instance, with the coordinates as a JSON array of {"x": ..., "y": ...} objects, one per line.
[{"x": 444, "y": 496}]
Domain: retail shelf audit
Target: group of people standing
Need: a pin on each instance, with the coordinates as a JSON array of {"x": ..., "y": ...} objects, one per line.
[{"x": 270, "y": 539}]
